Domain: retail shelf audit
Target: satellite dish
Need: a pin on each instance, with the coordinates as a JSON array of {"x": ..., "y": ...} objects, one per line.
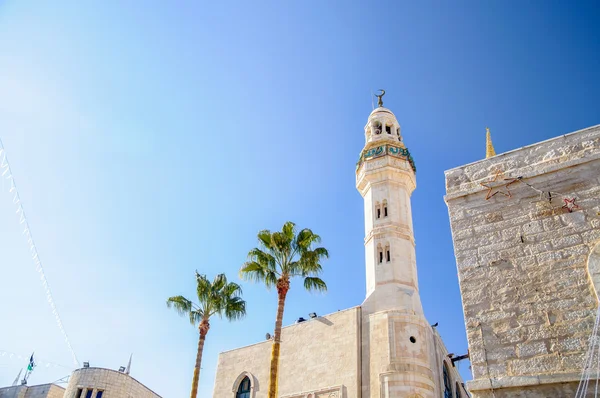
[{"x": 268, "y": 336}]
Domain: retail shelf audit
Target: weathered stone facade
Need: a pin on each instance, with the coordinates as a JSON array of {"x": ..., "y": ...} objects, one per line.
[
  {"x": 522, "y": 258},
  {"x": 39, "y": 391},
  {"x": 316, "y": 355},
  {"x": 111, "y": 382}
]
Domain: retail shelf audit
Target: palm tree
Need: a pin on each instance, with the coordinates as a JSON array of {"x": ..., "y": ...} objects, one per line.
[
  {"x": 282, "y": 256},
  {"x": 217, "y": 298}
]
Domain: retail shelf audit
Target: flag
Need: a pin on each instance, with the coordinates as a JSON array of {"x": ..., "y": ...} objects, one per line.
[{"x": 31, "y": 364}]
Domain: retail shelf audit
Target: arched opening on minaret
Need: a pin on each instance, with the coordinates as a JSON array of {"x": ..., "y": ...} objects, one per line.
[
  {"x": 388, "y": 257},
  {"x": 377, "y": 127},
  {"x": 388, "y": 129},
  {"x": 379, "y": 253},
  {"x": 377, "y": 211},
  {"x": 385, "y": 208}
]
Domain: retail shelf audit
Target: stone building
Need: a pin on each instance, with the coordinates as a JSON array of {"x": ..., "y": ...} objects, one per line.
[
  {"x": 86, "y": 383},
  {"x": 383, "y": 348},
  {"x": 105, "y": 383},
  {"x": 39, "y": 391},
  {"x": 526, "y": 232}
]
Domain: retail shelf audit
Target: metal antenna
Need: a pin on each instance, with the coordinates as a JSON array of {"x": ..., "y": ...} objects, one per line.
[
  {"x": 16, "y": 382},
  {"x": 372, "y": 103}
]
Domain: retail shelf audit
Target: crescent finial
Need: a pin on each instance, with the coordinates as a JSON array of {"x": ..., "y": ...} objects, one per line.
[{"x": 379, "y": 100}]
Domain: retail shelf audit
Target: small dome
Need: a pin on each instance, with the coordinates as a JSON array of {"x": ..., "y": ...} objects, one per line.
[{"x": 381, "y": 110}]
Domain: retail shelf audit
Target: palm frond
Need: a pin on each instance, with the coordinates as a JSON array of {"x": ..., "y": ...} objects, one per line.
[
  {"x": 196, "y": 317},
  {"x": 182, "y": 305},
  {"x": 254, "y": 271},
  {"x": 264, "y": 238},
  {"x": 235, "y": 308},
  {"x": 305, "y": 239},
  {"x": 314, "y": 283},
  {"x": 203, "y": 288}
]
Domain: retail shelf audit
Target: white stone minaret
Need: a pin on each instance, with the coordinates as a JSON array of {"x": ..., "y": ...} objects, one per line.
[{"x": 397, "y": 341}]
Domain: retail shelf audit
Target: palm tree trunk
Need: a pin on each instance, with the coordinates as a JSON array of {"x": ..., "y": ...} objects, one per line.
[
  {"x": 283, "y": 286},
  {"x": 204, "y": 326}
]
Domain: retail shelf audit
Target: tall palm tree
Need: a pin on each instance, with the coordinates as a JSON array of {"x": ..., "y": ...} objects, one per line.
[
  {"x": 282, "y": 256},
  {"x": 217, "y": 298}
]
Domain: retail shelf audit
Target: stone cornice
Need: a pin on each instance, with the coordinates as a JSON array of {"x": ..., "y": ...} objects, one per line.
[
  {"x": 541, "y": 158},
  {"x": 384, "y": 231},
  {"x": 521, "y": 381}
]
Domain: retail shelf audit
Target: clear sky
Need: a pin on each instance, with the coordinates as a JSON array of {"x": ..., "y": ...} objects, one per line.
[{"x": 150, "y": 139}]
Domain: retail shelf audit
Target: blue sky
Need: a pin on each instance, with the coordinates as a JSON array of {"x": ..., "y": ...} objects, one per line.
[{"x": 150, "y": 139}]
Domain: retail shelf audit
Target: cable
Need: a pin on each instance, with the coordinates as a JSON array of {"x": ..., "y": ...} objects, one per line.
[{"x": 6, "y": 169}]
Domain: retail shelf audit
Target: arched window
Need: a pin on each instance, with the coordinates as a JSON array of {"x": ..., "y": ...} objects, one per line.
[
  {"x": 377, "y": 210},
  {"x": 377, "y": 128},
  {"x": 388, "y": 129},
  {"x": 447, "y": 382},
  {"x": 379, "y": 254},
  {"x": 388, "y": 258},
  {"x": 385, "y": 210},
  {"x": 244, "y": 389}
]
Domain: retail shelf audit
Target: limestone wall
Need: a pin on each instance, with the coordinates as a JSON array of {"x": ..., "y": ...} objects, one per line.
[
  {"x": 39, "y": 391},
  {"x": 319, "y": 356},
  {"x": 113, "y": 383},
  {"x": 528, "y": 301}
]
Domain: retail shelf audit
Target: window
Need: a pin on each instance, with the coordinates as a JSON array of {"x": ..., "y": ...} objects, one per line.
[
  {"x": 79, "y": 393},
  {"x": 89, "y": 393},
  {"x": 385, "y": 212},
  {"x": 447, "y": 383},
  {"x": 387, "y": 254},
  {"x": 244, "y": 389},
  {"x": 388, "y": 129},
  {"x": 380, "y": 253},
  {"x": 377, "y": 210},
  {"x": 378, "y": 213},
  {"x": 377, "y": 128},
  {"x": 99, "y": 394}
]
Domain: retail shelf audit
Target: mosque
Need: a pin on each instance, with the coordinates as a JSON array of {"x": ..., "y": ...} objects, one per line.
[
  {"x": 526, "y": 232},
  {"x": 382, "y": 348}
]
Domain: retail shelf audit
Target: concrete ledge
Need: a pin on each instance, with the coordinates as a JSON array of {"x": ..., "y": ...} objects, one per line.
[{"x": 521, "y": 381}]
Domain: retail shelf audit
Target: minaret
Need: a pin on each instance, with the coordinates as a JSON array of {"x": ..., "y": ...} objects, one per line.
[{"x": 397, "y": 341}]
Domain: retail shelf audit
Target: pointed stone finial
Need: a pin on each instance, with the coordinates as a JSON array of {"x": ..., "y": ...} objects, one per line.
[{"x": 489, "y": 147}]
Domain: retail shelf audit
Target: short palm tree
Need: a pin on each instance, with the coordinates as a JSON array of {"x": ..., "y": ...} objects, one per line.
[
  {"x": 217, "y": 298},
  {"x": 282, "y": 256}
]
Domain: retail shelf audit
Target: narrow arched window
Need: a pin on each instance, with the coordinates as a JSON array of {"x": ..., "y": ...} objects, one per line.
[
  {"x": 380, "y": 254},
  {"x": 388, "y": 129},
  {"x": 385, "y": 210},
  {"x": 244, "y": 389},
  {"x": 447, "y": 382},
  {"x": 377, "y": 210},
  {"x": 387, "y": 254}
]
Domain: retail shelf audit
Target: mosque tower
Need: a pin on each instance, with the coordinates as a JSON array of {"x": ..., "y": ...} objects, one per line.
[{"x": 397, "y": 341}]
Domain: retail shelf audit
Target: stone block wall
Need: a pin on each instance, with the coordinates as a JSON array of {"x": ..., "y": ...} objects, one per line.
[
  {"x": 522, "y": 260},
  {"x": 45, "y": 391},
  {"x": 320, "y": 356},
  {"x": 111, "y": 382},
  {"x": 39, "y": 391}
]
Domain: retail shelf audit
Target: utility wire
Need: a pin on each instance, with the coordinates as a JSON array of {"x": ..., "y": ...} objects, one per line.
[{"x": 6, "y": 174}]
